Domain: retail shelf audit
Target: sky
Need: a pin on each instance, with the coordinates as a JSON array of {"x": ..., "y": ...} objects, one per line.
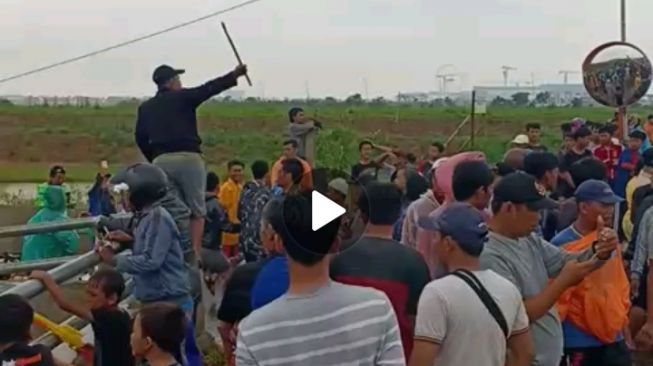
[{"x": 326, "y": 47}]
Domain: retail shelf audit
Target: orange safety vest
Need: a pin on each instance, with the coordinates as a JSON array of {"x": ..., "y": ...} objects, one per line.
[{"x": 599, "y": 305}]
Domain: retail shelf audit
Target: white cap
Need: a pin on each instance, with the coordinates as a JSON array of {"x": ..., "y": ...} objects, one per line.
[
  {"x": 339, "y": 185},
  {"x": 521, "y": 140}
]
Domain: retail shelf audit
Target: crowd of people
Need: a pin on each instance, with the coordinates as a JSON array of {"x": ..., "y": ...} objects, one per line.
[{"x": 441, "y": 259}]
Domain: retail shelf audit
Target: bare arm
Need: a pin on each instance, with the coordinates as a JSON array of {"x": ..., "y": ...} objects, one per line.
[
  {"x": 57, "y": 295},
  {"x": 520, "y": 350},
  {"x": 424, "y": 353},
  {"x": 228, "y": 344},
  {"x": 539, "y": 304}
]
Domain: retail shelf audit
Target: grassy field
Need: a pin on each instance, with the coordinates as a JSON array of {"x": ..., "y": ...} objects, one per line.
[{"x": 37, "y": 137}]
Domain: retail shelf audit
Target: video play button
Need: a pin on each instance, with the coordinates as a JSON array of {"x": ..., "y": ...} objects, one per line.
[{"x": 324, "y": 210}]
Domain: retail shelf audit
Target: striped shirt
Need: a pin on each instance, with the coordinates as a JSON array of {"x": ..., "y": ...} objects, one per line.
[{"x": 337, "y": 325}]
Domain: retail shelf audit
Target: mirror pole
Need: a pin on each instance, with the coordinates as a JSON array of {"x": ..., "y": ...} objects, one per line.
[
  {"x": 623, "y": 20},
  {"x": 622, "y": 124},
  {"x": 622, "y": 119}
]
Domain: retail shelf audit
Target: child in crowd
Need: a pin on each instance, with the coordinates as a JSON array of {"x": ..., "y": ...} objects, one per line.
[
  {"x": 158, "y": 334},
  {"x": 111, "y": 324},
  {"x": 607, "y": 152},
  {"x": 215, "y": 265},
  {"x": 628, "y": 162},
  {"x": 16, "y": 317}
]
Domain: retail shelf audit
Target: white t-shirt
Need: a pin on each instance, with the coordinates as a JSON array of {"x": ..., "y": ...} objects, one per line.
[{"x": 452, "y": 315}]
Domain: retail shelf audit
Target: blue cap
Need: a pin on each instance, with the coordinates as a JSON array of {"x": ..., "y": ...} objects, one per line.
[
  {"x": 463, "y": 223},
  {"x": 596, "y": 191}
]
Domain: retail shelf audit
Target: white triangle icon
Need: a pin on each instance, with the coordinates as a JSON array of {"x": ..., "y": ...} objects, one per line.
[{"x": 324, "y": 210}]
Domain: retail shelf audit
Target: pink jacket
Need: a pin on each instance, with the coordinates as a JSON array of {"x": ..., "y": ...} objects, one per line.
[{"x": 444, "y": 176}]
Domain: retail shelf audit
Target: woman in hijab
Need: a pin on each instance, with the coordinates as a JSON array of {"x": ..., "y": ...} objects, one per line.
[{"x": 444, "y": 177}]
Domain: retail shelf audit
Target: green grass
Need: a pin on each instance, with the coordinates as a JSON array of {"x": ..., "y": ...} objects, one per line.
[{"x": 36, "y": 137}]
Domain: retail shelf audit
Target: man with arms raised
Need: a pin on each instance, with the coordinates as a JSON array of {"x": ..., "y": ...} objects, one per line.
[
  {"x": 318, "y": 321},
  {"x": 540, "y": 270},
  {"x": 450, "y": 311},
  {"x": 166, "y": 133}
]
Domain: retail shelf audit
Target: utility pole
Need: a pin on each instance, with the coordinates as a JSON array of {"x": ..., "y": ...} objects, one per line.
[{"x": 622, "y": 119}]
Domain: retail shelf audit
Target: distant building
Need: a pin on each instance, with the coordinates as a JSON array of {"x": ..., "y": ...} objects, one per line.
[
  {"x": 564, "y": 94},
  {"x": 486, "y": 94},
  {"x": 234, "y": 95}
]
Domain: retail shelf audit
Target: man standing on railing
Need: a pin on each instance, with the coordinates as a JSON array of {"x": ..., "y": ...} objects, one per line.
[{"x": 166, "y": 134}]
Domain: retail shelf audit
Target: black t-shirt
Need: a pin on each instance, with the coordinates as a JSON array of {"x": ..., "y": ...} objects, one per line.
[
  {"x": 540, "y": 148},
  {"x": 571, "y": 157},
  {"x": 26, "y": 355},
  {"x": 112, "y": 330},
  {"x": 359, "y": 168},
  {"x": 236, "y": 301}
]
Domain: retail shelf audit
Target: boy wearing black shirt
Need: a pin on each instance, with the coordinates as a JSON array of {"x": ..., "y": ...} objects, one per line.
[
  {"x": 111, "y": 324},
  {"x": 16, "y": 317}
]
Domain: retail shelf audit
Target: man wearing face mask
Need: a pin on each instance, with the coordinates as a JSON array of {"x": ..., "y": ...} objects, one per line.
[
  {"x": 449, "y": 309},
  {"x": 540, "y": 270}
]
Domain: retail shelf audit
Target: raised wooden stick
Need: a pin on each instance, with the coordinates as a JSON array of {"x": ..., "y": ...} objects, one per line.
[{"x": 233, "y": 47}]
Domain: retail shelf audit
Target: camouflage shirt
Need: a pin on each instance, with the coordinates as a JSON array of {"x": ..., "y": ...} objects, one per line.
[{"x": 253, "y": 198}]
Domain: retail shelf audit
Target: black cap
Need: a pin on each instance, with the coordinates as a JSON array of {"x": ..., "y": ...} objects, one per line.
[
  {"x": 521, "y": 188},
  {"x": 164, "y": 73}
]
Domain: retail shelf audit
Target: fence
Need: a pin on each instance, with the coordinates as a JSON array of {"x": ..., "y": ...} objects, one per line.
[{"x": 61, "y": 269}]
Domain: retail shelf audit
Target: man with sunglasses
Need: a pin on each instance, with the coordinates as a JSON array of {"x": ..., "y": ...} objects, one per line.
[{"x": 540, "y": 270}]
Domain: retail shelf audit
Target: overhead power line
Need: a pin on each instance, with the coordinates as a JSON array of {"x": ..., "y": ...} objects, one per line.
[{"x": 127, "y": 43}]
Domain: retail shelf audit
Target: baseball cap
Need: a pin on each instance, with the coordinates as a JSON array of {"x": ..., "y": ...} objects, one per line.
[
  {"x": 647, "y": 157},
  {"x": 521, "y": 140},
  {"x": 164, "y": 73},
  {"x": 463, "y": 223},
  {"x": 596, "y": 191},
  {"x": 522, "y": 188},
  {"x": 339, "y": 185}
]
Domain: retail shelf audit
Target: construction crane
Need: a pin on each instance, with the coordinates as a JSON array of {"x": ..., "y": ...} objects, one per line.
[
  {"x": 566, "y": 74},
  {"x": 506, "y": 70},
  {"x": 445, "y": 79}
]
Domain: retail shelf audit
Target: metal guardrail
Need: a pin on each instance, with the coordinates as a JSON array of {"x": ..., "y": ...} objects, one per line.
[
  {"x": 29, "y": 266},
  {"x": 32, "y": 288},
  {"x": 61, "y": 269},
  {"x": 49, "y": 227},
  {"x": 65, "y": 271}
]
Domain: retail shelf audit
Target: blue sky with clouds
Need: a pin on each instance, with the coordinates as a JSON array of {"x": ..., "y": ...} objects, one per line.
[{"x": 331, "y": 45}]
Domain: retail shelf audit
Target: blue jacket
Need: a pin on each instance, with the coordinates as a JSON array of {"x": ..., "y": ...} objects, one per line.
[
  {"x": 99, "y": 202},
  {"x": 157, "y": 262}
]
